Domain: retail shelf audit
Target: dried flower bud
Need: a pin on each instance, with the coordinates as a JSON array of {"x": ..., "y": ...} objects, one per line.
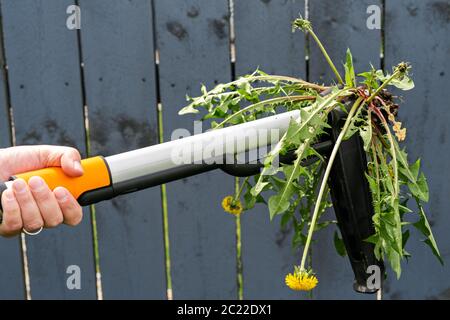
[
  {"x": 302, "y": 24},
  {"x": 401, "y": 134},
  {"x": 402, "y": 68}
]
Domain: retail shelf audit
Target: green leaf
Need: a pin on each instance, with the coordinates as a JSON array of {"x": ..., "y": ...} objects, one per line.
[
  {"x": 349, "y": 70},
  {"x": 370, "y": 79},
  {"x": 279, "y": 203},
  {"x": 404, "y": 168},
  {"x": 259, "y": 186},
  {"x": 373, "y": 239},
  {"x": 339, "y": 245},
  {"x": 299, "y": 238},
  {"x": 366, "y": 135},
  {"x": 394, "y": 259},
  {"x": 404, "y": 83},
  {"x": 417, "y": 186},
  {"x": 320, "y": 105},
  {"x": 420, "y": 188},
  {"x": 267, "y": 170},
  {"x": 355, "y": 125},
  {"x": 423, "y": 226},
  {"x": 287, "y": 216},
  {"x": 405, "y": 238},
  {"x": 188, "y": 109},
  {"x": 249, "y": 199},
  {"x": 323, "y": 225},
  {"x": 414, "y": 168}
]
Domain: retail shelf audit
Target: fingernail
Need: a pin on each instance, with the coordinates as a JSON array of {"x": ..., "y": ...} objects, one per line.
[
  {"x": 20, "y": 186},
  {"x": 36, "y": 183},
  {"x": 9, "y": 195},
  {"x": 77, "y": 166},
  {"x": 61, "y": 195}
]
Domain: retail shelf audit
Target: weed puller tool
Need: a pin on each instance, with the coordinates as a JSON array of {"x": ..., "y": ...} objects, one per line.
[{"x": 105, "y": 178}]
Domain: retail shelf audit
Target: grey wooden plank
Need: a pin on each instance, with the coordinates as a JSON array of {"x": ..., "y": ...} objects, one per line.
[
  {"x": 118, "y": 53},
  {"x": 46, "y": 98},
  {"x": 417, "y": 31},
  {"x": 11, "y": 269},
  {"x": 264, "y": 39},
  {"x": 193, "y": 39},
  {"x": 340, "y": 25}
]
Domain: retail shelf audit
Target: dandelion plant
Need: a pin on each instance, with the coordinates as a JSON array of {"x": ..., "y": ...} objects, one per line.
[{"x": 299, "y": 192}]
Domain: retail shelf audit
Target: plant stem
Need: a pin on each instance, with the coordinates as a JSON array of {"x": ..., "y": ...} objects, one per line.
[
  {"x": 165, "y": 214},
  {"x": 262, "y": 103},
  {"x": 239, "y": 278},
  {"x": 323, "y": 185},
  {"x": 383, "y": 85},
  {"x": 393, "y": 154},
  {"x": 239, "y": 190},
  {"x": 377, "y": 173},
  {"x": 327, "y": 57},
  {"x": 304, "y": 83}
]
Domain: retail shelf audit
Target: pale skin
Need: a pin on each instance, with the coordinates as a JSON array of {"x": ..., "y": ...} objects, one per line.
[{"x": 33, "y": 205}]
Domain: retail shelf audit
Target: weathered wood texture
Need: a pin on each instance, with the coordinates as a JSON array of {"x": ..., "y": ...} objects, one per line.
[
  {"x": 340, "y": 25},
  {"x": 264, "y": 40},
  {"x": 45, "y": 86},
  {"x": 11, "y": 270},
  {"x": 193, "y": 42},
  {"x": 418, "y": 32},
  {"x": 119, "y": 69},
  {"x": 119, "y": 84}
]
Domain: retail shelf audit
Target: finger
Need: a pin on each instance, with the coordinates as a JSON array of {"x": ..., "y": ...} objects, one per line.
[
  {"x": 28, "y": 158},
  {"x": 71, "y": 162},
  {"x": 12, "y": 220},
  {"x": 72, "y": 212},
  {"x": 46, "y": 201},
  {"x": 31, "y": 217}
]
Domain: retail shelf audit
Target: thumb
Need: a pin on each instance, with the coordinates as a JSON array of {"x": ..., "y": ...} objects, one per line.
[{"x": 68, "y": 158}]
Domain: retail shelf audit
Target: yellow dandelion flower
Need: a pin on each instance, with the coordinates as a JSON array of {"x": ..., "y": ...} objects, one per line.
[
  {"x": 231, "y": 206},
  {"x": 301, "y": 280}
]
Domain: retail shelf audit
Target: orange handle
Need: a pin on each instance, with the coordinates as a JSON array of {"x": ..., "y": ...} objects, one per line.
[{"x": 96, "y": 175}]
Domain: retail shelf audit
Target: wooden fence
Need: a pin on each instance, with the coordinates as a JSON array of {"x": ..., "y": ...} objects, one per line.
[{"x": 98, "y": 89}]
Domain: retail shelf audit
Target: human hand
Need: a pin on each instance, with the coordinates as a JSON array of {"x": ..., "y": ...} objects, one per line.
[{"x": 33, "y": 205}]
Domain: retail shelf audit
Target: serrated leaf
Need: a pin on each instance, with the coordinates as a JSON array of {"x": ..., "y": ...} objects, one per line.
[
  {"x": 424, "y": 227},
  {"x": 405, "y": 238},
  {"x": 366, "y": 134},
  {"x": 404, "y": 83},
  {"x": 188, "y": 109},
  {"x": 394, "y": 259},
  {"x": 370, "y": 79},
  {"x": 278, "y": 204},
  {"x": 417, "y": 186},
  {"x": 420, "y": 188},
  {"x": 258, "y": 187},
  {"x": 414, "y": 168}
]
